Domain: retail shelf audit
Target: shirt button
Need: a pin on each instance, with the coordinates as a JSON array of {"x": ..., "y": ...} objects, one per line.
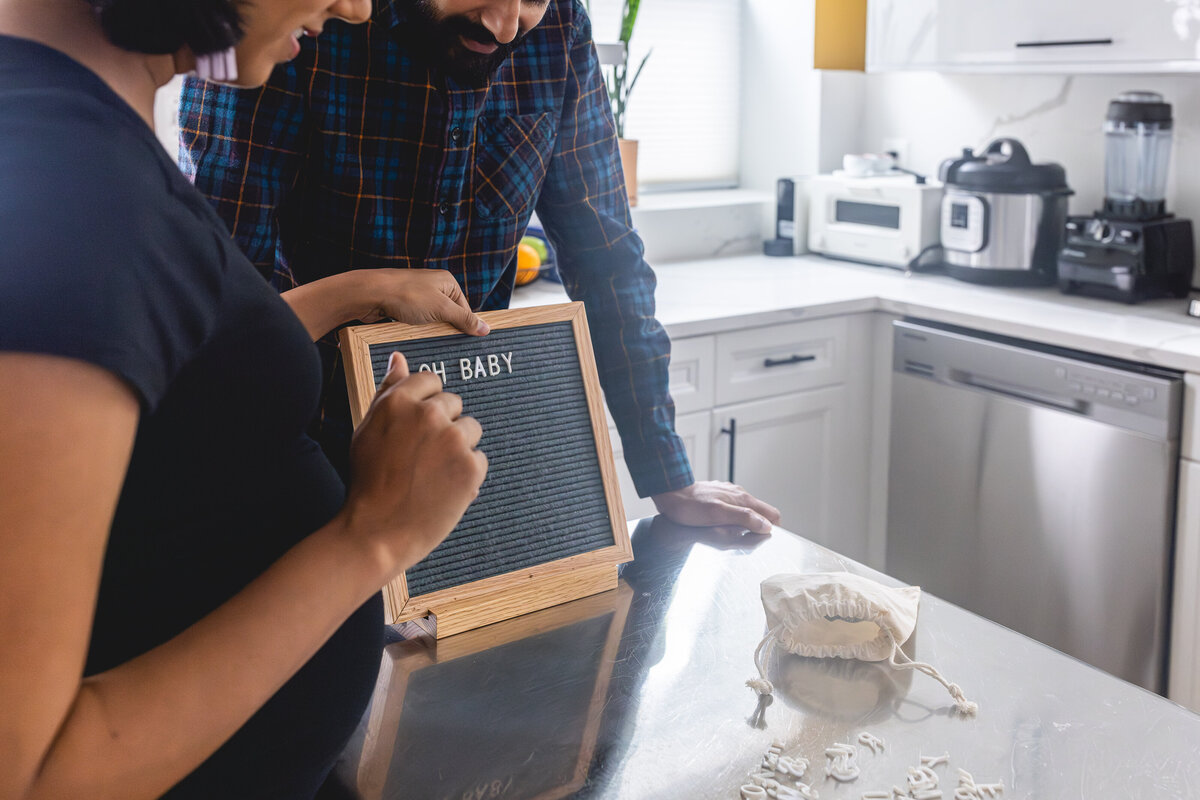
[
  {"x": 443, "y": 208},
  {"x": 456, "y": 134}
]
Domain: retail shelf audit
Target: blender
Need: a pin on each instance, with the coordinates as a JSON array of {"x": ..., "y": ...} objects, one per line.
[{"x": 1132, "y": 249}]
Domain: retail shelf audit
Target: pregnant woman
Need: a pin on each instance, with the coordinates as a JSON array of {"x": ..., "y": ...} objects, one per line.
[{"x": 188, "y": 593}]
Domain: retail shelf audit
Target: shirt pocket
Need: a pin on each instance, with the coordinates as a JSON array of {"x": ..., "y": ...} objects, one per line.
[{"x": 512, "y": 154}]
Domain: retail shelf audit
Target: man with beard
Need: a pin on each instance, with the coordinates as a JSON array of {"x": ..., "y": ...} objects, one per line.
[{"x": 425, "y": 140}]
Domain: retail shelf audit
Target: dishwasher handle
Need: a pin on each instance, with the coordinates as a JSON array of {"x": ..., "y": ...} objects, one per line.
[{"x": 1024, "y": 393}]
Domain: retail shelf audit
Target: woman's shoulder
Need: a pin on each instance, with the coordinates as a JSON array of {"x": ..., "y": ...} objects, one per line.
[
  {"x": 83, "y": 181},
  {"x": 59, "y": 120},
  {"x": 103, "y": 259}
]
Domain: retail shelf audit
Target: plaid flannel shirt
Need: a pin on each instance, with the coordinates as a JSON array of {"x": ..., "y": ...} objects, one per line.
[{"x": 357, "y": 154}]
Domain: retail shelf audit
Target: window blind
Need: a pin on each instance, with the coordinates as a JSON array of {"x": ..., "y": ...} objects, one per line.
[{"x": 685, "y": 109}]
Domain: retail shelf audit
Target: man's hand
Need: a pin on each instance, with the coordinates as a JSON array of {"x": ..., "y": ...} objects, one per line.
[
  {"x": 717, "y": 504},
  {"x": 418, "y": 296}
]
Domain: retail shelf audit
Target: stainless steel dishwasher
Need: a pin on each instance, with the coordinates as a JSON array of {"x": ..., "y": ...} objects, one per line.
[{"x": 1035, "y": 486}]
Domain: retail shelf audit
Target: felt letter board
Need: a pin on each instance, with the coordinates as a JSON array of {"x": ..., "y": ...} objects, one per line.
[{"x": 548, "y": 525}]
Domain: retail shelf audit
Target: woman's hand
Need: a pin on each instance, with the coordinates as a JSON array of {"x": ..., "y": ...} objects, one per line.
[
  {"x": 414, "y": 468},
  {"x": 415, "y": 296}
]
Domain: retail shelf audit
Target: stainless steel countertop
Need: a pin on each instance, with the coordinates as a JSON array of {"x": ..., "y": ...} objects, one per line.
[{"x": 640, "y": 693}]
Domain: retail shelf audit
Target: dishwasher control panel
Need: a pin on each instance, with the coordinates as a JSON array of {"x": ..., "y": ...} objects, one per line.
[
  {"x": 1086, "y": 384},
  {"x": 1134, "y": 396}
]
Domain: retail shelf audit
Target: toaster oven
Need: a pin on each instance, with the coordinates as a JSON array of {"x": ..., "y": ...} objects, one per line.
[{"x": 891, "y": 220}]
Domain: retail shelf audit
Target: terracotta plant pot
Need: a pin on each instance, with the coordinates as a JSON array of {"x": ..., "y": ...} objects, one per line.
[{"x": 629, "y": 148}]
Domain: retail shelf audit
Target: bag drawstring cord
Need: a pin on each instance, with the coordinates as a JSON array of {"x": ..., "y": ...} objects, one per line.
[
  {"x": 760, "y": 684},
  {"x": 964, "y": 706},
  {"x": 764, "y": 687}
]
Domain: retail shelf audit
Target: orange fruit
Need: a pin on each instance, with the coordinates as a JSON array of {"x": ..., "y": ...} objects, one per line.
[{"x": 529, "y": 263}]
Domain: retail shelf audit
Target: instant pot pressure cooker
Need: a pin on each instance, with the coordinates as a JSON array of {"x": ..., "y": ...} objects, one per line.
[{"x": 1003, "y": 216}]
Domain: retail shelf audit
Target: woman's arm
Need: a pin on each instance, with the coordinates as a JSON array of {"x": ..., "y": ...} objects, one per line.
[
  {"x": 66, "y": 433},
  {"x": 414, "y": 296}
]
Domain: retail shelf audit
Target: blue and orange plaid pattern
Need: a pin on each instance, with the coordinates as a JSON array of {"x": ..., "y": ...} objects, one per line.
[{"x": 359, "y": 154}]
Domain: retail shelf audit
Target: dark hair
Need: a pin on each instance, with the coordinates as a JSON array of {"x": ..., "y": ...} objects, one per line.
[{"x": 165, "y": 26}]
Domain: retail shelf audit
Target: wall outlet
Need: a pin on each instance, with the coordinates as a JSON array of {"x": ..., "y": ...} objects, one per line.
[{"x": 900, "y": 148}]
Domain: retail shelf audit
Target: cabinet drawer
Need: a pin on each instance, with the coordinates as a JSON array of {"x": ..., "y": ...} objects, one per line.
[
  {"x": 691, "y": 376},
  {"x": 761, "y": 362}
]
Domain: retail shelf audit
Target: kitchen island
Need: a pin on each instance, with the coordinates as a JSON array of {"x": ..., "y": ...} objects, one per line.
[
  {"x": 815, "y": 437},
  {"x": 639, "y": 694}
]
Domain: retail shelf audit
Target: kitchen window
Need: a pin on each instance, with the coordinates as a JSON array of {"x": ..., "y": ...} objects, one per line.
[{"x": 685, "y": 110}]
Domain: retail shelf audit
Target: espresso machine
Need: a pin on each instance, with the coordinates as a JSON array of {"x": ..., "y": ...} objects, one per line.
[{"x": 1132, "y": 249}]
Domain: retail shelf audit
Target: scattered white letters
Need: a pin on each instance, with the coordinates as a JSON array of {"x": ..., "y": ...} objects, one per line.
[{"x": 767, "y": 781}]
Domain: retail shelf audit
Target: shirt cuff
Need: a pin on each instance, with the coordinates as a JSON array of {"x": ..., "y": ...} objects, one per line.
[{"x": 660, "y": 466}]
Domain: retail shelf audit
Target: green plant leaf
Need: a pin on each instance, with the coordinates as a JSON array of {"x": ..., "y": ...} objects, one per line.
[
  {"x": 637, "y": 74},
  {"x": 629, "y": 19}
]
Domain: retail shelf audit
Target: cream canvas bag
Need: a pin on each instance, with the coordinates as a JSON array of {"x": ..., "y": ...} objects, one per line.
[{"x": 841, "y": 615}]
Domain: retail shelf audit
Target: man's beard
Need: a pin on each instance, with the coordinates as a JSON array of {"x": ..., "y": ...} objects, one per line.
[{"x": 439, "y": 39}]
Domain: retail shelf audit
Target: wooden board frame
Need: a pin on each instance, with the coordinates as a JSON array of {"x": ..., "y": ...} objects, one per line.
[
  {"x": 482, "y": 602},
  {"x": 401, "y": 661}
]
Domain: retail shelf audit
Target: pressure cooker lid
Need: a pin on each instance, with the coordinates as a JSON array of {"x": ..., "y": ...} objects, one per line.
[{"x": 1004, "y": 168}]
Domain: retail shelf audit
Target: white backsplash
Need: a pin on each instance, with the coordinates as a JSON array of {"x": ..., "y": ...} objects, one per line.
[{"x": 1058, "y": 118}]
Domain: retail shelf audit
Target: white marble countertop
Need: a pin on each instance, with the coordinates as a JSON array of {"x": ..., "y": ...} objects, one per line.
[{"x": 711, "y": 296}]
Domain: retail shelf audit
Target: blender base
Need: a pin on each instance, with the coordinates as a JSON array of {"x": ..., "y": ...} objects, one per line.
[{"x": 1127, "y": 260}]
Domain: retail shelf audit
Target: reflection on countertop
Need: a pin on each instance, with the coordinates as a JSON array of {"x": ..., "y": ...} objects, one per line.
[{"x": 639, "y": 694}]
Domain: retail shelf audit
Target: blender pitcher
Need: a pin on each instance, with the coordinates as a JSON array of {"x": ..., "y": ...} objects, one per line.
[{"x": 1137, "y": 133}]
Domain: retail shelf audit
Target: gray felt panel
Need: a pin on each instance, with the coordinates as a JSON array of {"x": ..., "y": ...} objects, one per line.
[{"x": 543, "y": 499}]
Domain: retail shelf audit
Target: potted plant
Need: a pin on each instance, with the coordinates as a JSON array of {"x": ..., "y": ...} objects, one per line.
[{"x": 620, "y": 85}]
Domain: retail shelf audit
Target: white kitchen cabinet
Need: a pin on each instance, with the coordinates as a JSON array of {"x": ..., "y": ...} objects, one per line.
[
  {"x": 1034, "y": 35},
  {"x": 805, "y": 452},
  {"x": 800, "y": 452},
  {"x": 800, "y": 395},
  {"x": 1183, "y": 682},
  {"x": 1183, "y": 685},
  {"x": 902, "y": 34}
]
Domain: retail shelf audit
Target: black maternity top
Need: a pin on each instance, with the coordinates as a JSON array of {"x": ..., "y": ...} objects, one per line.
[{"x": 108, "y": 255}]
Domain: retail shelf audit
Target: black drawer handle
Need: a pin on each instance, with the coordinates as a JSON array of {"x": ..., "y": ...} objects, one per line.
[
  {"x": 1066, "y": 43},
  {"x": 783, "y": 362}
]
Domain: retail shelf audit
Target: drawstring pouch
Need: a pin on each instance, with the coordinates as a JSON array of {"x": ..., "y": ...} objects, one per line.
[{"x": 841, "y": 615}]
